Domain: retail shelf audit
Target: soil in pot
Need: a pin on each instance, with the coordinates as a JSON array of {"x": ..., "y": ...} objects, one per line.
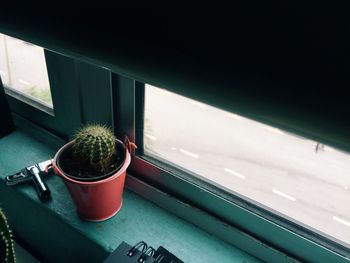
[{"x": 81, "y": 171}]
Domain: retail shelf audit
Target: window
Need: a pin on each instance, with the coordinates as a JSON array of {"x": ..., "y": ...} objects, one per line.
[
  {"x": 237, "y": 170},
  {"x": 263, "y": 180},
  {"x": 23, "y": 69},
  {"x": 279, "y": 170},
  {"x": 54, "y": 91}
]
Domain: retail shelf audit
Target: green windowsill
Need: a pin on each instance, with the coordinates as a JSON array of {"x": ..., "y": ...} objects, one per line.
[
  {"x": 22, "y": 256},
  {"x": 54, "y": 233}
]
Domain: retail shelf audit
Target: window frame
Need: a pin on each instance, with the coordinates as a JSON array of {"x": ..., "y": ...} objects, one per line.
[
  {"x": 73, "y": 89},
  {"x": 120, "y": 101},
  {"x": 259, "y": 221}
]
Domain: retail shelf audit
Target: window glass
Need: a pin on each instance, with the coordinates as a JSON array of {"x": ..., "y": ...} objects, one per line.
[
  {"x": 23, "y": 68},
  {"x": 300, "y": 178}
]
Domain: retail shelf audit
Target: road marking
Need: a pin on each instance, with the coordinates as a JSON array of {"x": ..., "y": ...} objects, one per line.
[
  {"x": 291, "y": 198},
  {"x": 342, "y": 221},
  {"x": 274, "y": 130},
  {"x": 201, "y": 105},
  {"x": 234, "y": 173},
  {"x": 193, "y": 155},
  {"x": 153, "y": 138},
  {"x": 234, "y": 116},
  {"x": 174, "y": 148},
  {"x": 24, "y": 82}
]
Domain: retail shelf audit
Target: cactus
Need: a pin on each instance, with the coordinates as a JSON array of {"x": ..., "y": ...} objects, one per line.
[
  {"x": 95, "y": 145},
  {"x": 7, "y": 252}
]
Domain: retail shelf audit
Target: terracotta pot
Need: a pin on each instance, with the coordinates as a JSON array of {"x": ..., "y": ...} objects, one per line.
[{"x": 95, "y": 200}]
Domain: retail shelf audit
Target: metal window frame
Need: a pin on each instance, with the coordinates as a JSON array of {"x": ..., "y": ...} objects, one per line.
[
  {"x": 258, "y": 221},
  {"x": 120, "y": 101},
  {"x": 74, "y": 95}
]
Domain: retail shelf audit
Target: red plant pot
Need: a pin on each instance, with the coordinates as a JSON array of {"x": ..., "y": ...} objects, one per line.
[{"x": 97, "y": 200}]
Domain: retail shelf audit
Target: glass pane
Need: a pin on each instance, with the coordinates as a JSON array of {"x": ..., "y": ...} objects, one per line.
[
  {"x": 300, "y": 178},
  {"x": 23, "y": 68}
]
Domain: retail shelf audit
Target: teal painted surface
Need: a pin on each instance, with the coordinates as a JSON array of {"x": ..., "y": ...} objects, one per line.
[
  {"x": 137, "y": 220},
  {"x": 22, "y": 256}
]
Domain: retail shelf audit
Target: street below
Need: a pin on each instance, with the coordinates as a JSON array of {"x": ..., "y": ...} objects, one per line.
[{"x": 292, "y": 175}]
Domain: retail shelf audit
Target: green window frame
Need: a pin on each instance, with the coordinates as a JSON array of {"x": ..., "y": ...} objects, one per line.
[
  {"x": 75, "y": 86},
  {"x": 260, "y": 222},
  {"x": 85, "y": 93}
]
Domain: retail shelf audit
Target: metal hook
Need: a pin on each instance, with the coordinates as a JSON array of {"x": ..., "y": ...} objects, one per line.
[
  {"x": 136, "y": 247},
  {"x": 130, "y": 146}
]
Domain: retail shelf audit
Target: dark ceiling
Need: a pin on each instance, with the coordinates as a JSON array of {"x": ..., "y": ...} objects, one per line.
[{"x": 285, "y": 64}]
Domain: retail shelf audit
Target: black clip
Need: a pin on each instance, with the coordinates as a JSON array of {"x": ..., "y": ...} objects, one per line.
[
  {"x": 149, "y": 252},
  {"x": 135, "y": 248},
  {"x": 159, "y": 258},
  {"x": 164, "y": 255}
]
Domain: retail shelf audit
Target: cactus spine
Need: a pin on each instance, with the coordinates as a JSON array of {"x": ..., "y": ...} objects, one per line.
[
  {"x": 95, "y": 145},
  {"x": 7, "y": 252}
]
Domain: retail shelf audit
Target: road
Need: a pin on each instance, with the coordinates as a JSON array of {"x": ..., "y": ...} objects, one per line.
[
  {"x": 23, "y": 67},
  {"x": 265, "y": 164}
]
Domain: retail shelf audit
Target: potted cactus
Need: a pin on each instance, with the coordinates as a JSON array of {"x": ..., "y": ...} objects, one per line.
[
  {"x": 93, "y": 166},
  {"x": 7, "y": 252}
]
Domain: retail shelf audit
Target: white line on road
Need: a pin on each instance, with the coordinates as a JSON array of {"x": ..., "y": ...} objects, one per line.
[
  {"x": 234, "y": 173},
  {"x": 291, "y": 198},
  {"x": 153, "y": 138},
  {"x": 342, "y": 221},
  {"x": 24, "y": 82},
  {"x": 193, "y": 155},
  {"x": 275, "y": 130}
]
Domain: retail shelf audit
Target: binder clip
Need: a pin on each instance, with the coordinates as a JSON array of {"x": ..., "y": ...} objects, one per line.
[
  {"x": 165, "y": 256},
  {"x": 147, "y": 254},
  {"x": 141, "y": 253},
  {"x": 33, "y": 174}
]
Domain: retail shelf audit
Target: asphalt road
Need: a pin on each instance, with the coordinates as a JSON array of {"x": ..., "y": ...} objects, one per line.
[
  {"x": 22, "y": 65},
  {"x": 274, "y": 168}
]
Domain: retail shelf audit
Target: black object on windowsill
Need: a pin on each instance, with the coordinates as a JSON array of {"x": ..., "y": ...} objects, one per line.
[
  {"x": 141, "y": 253},
  {"x": 6, "y": 123},
  {"x": 33, "y": 174},
  {"x": 166, "y": 256}
]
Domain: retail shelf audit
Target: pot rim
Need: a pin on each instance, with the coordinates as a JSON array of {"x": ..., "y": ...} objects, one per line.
[{"x": 66, "y": 177}]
